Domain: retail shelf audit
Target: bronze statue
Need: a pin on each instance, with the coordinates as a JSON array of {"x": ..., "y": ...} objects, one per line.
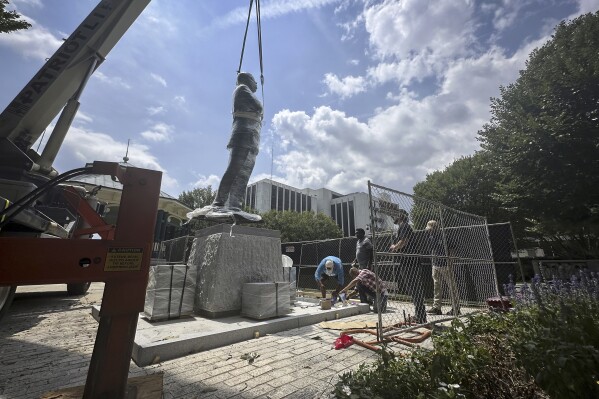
[{"x": 244, "y": 145}]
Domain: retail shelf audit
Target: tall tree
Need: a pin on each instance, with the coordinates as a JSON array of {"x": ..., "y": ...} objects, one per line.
[
  {"x": 468, "y": 184},
  {"x": 197, "y": 198},
  {"x": 305, "y": 226},
  {"x": 544, "y": 139},
  {"x": 9, "y": 20}
]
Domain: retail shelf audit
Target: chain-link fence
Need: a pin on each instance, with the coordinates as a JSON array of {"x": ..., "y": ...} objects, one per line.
[
  {"x": 508, "y": 265},
  {"x": 175, "y": 251},
  {"x": 471, "y": 268},
  {"x": 307, "y": 254},
  {"x": 552, "y": 269},
  {"x": 418, "y": 242}
]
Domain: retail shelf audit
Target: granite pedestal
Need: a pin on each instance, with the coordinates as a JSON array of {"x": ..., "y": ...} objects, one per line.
[{"x": 226, "y": 259}]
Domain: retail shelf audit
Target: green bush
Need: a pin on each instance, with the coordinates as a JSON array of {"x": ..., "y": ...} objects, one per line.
[{"x": 548, "y": 347}]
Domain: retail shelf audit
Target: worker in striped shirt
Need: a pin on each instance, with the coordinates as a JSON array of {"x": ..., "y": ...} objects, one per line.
[{"x": 365, "y": 282}]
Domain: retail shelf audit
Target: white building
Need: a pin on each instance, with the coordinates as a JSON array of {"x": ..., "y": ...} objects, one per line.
[{"x": 349, "y": 211}]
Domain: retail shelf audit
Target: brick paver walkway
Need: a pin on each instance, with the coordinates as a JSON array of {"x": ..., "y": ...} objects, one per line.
[{"x": 47, "y": 339}]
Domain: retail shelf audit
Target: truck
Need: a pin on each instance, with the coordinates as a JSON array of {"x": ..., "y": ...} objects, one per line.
[{"x": 32, "y": 203}]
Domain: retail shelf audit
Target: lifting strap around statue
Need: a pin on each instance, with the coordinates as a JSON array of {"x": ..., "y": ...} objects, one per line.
[{"x": 259, "y": 27}]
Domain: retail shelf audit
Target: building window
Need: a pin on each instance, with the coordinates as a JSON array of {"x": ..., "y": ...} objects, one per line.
[
  {"x": 280, "y": 199},
  {"x": 309, "y": 203},
  {"x": 298, "y": 202},
  {"x": 345, "y": 220},
  {"x": 292, "y": 200},
  {"x": 333, "y": 212},
  {"x": 248, "y": 191},
  {"x": 273, "y": 197},
  {"x": 286, "y": 199},
  {"x": 304, "y": 203},
  {"x": 253, "y": 197},
  {"x": 352, "y": 222},
  {"x": 339, "y": 219}
]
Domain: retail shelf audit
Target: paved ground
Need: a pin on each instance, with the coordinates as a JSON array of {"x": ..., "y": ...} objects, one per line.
[{"x": 47, "y": 339}]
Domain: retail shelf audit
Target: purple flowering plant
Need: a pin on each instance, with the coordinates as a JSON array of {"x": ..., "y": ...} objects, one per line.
[{"x": 556, "y": 332}]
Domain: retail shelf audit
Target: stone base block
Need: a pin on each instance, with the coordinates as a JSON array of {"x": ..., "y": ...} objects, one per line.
[
  {"x": 265, "y": 300},
  {"x": 227, "y": 257}
]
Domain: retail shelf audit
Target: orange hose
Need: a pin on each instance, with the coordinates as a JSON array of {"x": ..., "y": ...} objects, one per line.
[{"x": 371, "y": 344}]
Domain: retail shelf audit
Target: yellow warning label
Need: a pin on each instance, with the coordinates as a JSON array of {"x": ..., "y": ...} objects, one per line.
[{"x": 123, "y": 259}]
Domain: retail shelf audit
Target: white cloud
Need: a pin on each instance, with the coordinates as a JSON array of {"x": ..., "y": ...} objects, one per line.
[
  {"x": 350, "y": 28},
  {"x": 403, "y": 142},
  {"x": 272, "y": 9},
  {"x": 180, "y": 100},
  {"x": 159, "y": 79},
  {"x": 400, "y": 28},
  {"x": 113, "y": 81},
  {"x": 346, "y": 87},
  {"x": 31, "y": 3},
  {"x": 585, "y": 6},
  {"x": 155, "y": 110},
  {"x": 87, "y": 146},
  {"x": 406, "y": 47},
  {"x": 83, "y": 118},
  {"x": 205, "y": 181},
  {"x": 158, "y": 132},
  {"x": 36, "y": 42},
  {"x": 158, "y": 19},
  {"x": 404, "y": 71}
]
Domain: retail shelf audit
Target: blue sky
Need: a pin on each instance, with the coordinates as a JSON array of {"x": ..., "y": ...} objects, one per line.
[{"x": 355, "y": 90}]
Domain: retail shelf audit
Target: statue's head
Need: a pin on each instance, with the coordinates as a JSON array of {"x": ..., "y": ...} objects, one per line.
[{"x": 246, "y": 78}]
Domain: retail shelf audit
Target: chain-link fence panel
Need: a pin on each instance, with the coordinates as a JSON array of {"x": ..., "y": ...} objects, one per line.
[
  {"x": 556, "y": 269},
  {"x": 307, "y": 255},
  {"x": 175, "y": 251},
  {"x": 427, "y": 254},
  {"x": 505, "y": 255}
]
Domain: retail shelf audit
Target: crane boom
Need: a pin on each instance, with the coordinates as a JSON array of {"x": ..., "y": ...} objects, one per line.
[{"x": 32, "y": 110}]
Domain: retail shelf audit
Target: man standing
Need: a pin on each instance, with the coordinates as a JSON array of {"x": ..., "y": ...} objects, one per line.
[
  {"x": 363, "y": 250},
  {"x": 442, "y": 270},
  {"x": 366, "y": 283},
  {"x": 329, "y": 267},
  {"x": 409, "y": 274}
]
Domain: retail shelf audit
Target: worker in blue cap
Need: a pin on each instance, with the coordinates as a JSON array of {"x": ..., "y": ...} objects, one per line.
[{"x": 329, "y": 267}]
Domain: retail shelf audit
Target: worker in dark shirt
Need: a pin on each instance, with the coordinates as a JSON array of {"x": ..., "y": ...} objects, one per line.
[
  {"x": 363, "y": 250},
  {"x": 409, "y": 273}
]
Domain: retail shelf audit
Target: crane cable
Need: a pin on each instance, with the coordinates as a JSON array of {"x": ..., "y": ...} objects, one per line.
[{"x": 259, "y": 27}]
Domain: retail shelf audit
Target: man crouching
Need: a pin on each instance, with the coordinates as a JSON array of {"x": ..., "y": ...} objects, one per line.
[{"x": 366, "y": 283}]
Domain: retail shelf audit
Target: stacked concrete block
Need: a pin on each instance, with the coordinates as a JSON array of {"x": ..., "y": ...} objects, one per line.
[
  {"x": 226, "y": 257},
  {"x": 265, "y": 300},
  {"x": 171, "y": 292}
]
